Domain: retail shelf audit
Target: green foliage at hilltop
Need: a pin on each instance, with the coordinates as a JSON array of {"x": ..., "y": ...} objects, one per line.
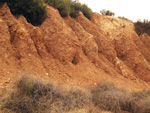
[
  {"x": 33, "y": 10},
  {"x": 86, "y": 11},
  {"x": 63, "y": 6},
  {"x": 70, "y": 7},
  {"x": 107, "y": 12},
  {"x": 75, "y": 8},
  {"x": 142, "y": 27}
]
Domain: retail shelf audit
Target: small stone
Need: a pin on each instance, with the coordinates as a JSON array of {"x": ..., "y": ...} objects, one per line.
[
  {"x": 8, "y": 80},
  {"x": 117, "y": 62}
]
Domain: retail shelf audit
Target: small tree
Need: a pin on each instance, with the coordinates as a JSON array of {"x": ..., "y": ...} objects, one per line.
[{"x": 107, "y": 12}]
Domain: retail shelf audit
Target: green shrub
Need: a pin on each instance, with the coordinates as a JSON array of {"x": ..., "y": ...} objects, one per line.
[
  {"x": 70, "y": 7},
  {"x": 86, "y": 11},
  {"x": 33, "y": 10},
  {"x": 107, "y": 12},
  {"x": 75, "y": 8},
  {"x": 63, "y": 6}
]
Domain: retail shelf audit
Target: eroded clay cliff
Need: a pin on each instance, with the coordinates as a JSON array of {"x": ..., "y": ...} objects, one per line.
[{"x": 75, "y": 51}]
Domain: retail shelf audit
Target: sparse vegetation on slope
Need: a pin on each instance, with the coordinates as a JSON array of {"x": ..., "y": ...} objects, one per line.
[
  {"x": 107, "y": 12},
  {"x": 124, "y": 18},
  {"x": 109, "y": 98},
  {"x": 34, "y": 96},
  {"x": 139, "y": 102},
  {"x": 70, "y": 7}
]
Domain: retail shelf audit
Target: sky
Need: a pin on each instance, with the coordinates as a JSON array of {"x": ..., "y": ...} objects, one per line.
[{"x": 131, "y": 9}]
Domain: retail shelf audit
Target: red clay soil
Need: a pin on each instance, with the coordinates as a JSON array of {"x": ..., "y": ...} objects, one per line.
[
  {"x": 128, "y": 46},
  {"x": 74, "y": 51}
]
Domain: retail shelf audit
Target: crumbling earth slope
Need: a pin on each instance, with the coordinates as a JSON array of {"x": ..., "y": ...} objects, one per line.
[{"x": 74, "y": 51}]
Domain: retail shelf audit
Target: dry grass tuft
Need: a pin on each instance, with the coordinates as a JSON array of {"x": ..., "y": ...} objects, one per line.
[
  {"x": 33, "y": 96},
  {"x": 109, "y": 98},
  {"x": 140, "y": 102}
]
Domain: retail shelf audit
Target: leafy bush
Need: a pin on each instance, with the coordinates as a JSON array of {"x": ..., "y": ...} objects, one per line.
[
  {"x": 63, "y": 6},
  {"x": 33, "y": 10},
  {"x": 75, "y": 8},
  {"x": 107, "y": 12},
  {"x": 142, "y": 27},
  {"x": 86, "y": 11}
]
